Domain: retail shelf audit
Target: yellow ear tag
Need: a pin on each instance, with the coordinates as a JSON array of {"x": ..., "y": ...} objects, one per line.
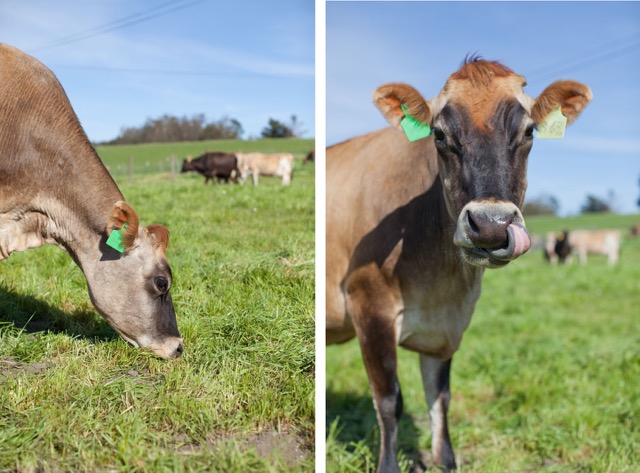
[{"x": 553, "y": 125}]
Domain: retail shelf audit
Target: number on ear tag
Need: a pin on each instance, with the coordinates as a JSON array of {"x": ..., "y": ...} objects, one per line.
[{"x": 553, "y": 125}]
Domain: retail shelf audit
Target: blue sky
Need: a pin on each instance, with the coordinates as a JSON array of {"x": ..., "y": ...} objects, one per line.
[
  {"x": 246, "y": 59},
  {"x": 422, "y": 43}
]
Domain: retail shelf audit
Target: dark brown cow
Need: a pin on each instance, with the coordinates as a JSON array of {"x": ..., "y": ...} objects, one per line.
[
  {"x": 310, "y": 157},
  {"x": 411, "y": 226},
  {"x": 54, "y": 189},
  {"x": 219, "y": 165}
]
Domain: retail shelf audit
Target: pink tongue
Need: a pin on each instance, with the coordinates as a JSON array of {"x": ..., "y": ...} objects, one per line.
[{"x": 521, "y": 239}]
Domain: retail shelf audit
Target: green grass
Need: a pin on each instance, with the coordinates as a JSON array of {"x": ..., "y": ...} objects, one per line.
[
  {"x": 75, "y": 397},
  {"x": 546, "y": 378}
]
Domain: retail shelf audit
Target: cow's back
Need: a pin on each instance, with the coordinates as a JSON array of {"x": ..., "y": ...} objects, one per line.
[
  {"x": 221, "y": 161},
  {"x": 603, "y": 242},
  {"x": 42, "y": 144},
  {"x": 265, "y": 164}
]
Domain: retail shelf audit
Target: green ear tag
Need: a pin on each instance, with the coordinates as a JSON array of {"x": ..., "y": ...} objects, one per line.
[
  {"x": 414, "y": 129},
  {"x": 553, "y": 125},
  {"x": 115, "y": 239}
]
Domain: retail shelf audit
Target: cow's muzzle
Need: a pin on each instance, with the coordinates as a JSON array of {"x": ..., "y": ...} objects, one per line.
[{"x": 491, "y": 234}]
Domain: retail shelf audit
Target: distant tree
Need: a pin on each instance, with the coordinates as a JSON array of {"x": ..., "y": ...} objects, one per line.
[
  {"x": 225, "y": 128},
  {"x": 170, "y": 128},
  {"x": 595, "y": 204},
  {"x": 276, "y": 129},
  {"x": 296, "y": 126},
  {"x": 541, "y": 205}
]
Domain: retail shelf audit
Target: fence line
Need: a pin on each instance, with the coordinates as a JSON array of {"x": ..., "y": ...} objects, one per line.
[{"x": 134, "y": 166}]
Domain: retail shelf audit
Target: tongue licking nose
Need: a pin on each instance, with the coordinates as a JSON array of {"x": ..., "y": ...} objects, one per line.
[{"x": 519, "y": 240}]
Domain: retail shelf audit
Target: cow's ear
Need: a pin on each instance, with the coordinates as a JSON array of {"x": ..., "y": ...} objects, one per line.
[
  {"x": 124, "y": 218},
  {"x": 390, "y": 99},
  {"x": 572, "y": 97},
  {"x": 159, "y": 235}
]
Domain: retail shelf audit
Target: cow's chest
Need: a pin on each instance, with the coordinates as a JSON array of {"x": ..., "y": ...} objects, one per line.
[{"x": 432, "y": 321}]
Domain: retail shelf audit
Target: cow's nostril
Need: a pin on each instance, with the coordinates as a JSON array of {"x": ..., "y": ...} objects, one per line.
[
  {"x": 180, "y": 349},
  {"x": 472, "y": 224}
]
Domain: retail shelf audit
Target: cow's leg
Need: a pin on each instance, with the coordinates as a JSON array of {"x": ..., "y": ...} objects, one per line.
[
  {"x": 372, "y": 308},
  {"x": 378, "y": 345},
  {"x": 254, "y": 176},
  {"x": 373, "y": 301},
  {"x": 582, "y": 255},
  {"x": 612, "y": 258},
  {"x": 435, "y": 380}
]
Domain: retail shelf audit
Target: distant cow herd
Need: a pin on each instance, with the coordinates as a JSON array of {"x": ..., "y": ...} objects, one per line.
[
  {"x": 239, "y": 166},
  {"x": 560, "y": 247}
]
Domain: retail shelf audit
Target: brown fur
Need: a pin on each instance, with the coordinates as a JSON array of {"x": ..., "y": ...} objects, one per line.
[
  {"x": 480, "y": 72},
  {"x": 480, "y": 86},
  {"x": 160, "y": 235}
]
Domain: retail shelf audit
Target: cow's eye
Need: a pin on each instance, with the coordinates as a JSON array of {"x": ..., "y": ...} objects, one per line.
[
  {"x": 438, "y": 134},
  {"x": 528, "y": 133},
  {"x": 162, "y": 284}
]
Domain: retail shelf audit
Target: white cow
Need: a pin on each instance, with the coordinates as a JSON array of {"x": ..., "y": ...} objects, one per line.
[
  {"x": 274, "y": 164},
  {"x": 598, "y": 242}
]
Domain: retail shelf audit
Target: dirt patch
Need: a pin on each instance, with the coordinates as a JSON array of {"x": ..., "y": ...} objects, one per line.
[
  {"x": 285, "y": 445},
  {"x": 10, "y": 368},
  {"x": 289, "y": 447}
]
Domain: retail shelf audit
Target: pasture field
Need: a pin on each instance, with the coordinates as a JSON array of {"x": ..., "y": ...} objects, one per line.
[
  {"x": 547, "y": 378},
  {"x": 156, "y": 157},
  {"x": 74, "y": 397}
]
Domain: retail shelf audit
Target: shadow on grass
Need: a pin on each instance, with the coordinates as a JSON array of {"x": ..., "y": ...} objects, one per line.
[
  {"x": 357, "y": 421},
  {"x": 34, "y": 315}
]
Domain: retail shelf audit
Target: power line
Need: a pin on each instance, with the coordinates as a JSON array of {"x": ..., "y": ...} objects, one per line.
[
  {"x": 124, "y": 22},
  {"x": 610, "y": 50},
  {"x": 179, "y": 72}
]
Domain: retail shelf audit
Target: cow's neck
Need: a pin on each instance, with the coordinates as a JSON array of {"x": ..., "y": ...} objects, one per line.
[{"x": 76, "y": 211}]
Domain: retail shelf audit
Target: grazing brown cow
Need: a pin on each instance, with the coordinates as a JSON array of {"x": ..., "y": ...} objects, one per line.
[
  {"x": 219, "y": 165},
  {"x": 54, "y": 189},
  {"x": 411, "y": 226}
]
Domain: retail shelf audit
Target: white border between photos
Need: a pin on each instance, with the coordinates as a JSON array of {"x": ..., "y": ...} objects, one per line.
[{"x": 320, "y": 258}]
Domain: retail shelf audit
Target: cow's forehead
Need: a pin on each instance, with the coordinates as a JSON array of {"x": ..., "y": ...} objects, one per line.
[{"x": 481, "y": 98}]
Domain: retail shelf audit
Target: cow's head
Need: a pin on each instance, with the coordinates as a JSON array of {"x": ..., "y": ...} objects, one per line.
[
  {"x": 187, "y": 164},
  {"x": 483, "y": 124},
  {"x": 130, "y": 285}
]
